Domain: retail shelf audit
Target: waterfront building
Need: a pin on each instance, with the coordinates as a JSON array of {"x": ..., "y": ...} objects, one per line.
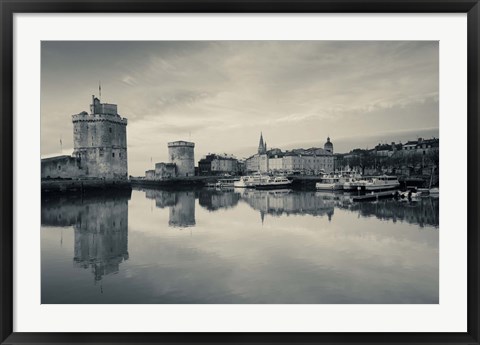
[
  {"x": 165, "y": 171},
  {"x": 215, "y": 164},
  {"x": 259, "y": 161},
  {"x": 150, "y": 175},
  {"x": 421, "y": 146},
  {"x": 99, "y": 146},
  {"x": 305, "y": 161}
]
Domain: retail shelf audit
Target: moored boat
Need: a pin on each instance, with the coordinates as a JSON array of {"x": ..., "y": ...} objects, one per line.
[
  {"x": 383, "y": 182},
  {"x": 274, "y": 183},
  {"x": 250, "y": 181},
  {"x": 226, "y": 183},
  {"x": 330, "y": 183}
]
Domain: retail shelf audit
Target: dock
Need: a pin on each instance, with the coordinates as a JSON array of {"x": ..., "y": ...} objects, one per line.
[{"x": 375, "y": 196}]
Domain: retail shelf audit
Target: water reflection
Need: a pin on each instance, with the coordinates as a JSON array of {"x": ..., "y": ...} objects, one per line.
[
  {"x": 248, "y": 246},
  {"x": 214, "y": 200},
  {"x": 286, "y": 202},
  {"x": 181, "y": 205},
  {"x": 422, "y": 212},
  {"x": 100, "y": 223}
]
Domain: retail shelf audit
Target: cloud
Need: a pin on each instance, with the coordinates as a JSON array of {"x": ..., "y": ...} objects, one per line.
[{"x": 222, "y": 94}]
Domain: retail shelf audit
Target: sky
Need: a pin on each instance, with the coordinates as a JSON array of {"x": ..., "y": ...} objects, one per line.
[{"x": 223, "y": 94}]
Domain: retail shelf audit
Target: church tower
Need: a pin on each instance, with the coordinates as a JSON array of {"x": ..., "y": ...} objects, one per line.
[{"x": 262, "y": 149}]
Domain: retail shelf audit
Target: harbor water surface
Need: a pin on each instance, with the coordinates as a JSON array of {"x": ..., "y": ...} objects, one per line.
[{"x": 238, "y": 246}]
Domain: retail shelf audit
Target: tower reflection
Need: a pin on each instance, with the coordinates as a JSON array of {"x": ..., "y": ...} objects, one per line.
[
  {"x": 100, "y": 223},
  {"x": 181, "y": 205}
]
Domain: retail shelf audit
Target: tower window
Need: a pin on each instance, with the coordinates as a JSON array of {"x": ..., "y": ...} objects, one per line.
[
  {"x": 110, "y": 129},
  {"x": 113, "y": 154}
]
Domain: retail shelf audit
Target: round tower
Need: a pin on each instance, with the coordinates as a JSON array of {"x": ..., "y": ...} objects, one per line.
[
  {"x": 181, "y": 153},
  {"x": 328, "y": 147},
  {"x": 100, "y": 141}
]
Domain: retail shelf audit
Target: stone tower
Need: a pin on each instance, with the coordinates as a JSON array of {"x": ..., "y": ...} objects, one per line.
[
  {"x": 182, "y": 154},
  {"x": 100, "y": 141}
]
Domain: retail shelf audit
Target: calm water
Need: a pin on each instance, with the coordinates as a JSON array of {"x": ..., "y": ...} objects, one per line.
[{"x": 247, "y": 246}]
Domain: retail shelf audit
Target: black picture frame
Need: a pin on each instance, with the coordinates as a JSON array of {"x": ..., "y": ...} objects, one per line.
[{"x": 9, "y": 8}]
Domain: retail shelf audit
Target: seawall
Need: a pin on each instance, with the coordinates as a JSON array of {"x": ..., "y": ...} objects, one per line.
[{"x": 67, "y": 186}]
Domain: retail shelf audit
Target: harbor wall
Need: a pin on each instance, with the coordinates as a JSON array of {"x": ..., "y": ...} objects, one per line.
[{"x": 83, "y": 185}]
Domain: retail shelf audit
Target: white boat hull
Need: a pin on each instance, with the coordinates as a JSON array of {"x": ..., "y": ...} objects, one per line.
[
  {"x": 328, "y": 186},
  {"x": 370, "y": 187},
  {"x": 273, "y": 185}
]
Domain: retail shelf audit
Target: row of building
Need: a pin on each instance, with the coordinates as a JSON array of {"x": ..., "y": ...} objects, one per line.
[
  {"x": 303, "y": 161},
  {"x": 100, "y": 152},
  {"x": 314, "y": 160}
]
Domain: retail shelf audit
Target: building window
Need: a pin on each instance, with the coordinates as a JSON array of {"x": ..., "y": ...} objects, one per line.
[
  {"x": 110, "y": 129},
  {"x": 113, "y": 154},
  {"x": 120, "y": 155}
]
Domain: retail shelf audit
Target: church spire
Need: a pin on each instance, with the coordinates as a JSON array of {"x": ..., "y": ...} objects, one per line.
[{"x": 261, "y": 145}]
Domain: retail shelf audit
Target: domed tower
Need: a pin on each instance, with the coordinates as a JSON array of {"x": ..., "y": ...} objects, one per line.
[
  {"x": 100, "y": 141},
  {"x": 328, "y": 147}
]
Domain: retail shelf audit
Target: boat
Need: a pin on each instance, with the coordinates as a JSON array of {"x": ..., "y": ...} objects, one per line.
[
  {"x": 250, "y": 181},
  {"x": 354, "y": 182},
  {"x": 382, "y": 182},
  {"x": 274, "y": 183},
  {"x": 332, "y": 182},
  {"x": 226, "y": 183}
]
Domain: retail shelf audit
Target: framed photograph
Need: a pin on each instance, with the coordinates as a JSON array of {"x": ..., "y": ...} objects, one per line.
[{"x": 239, "y": 172}]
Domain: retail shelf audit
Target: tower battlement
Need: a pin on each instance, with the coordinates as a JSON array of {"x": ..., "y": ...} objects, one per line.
[
  {"x": 84, "y": 116},
  {"x": 181, "y": 143},
  {"x": 102, "y": 108},
  {"x": 100, "y": 141}
]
